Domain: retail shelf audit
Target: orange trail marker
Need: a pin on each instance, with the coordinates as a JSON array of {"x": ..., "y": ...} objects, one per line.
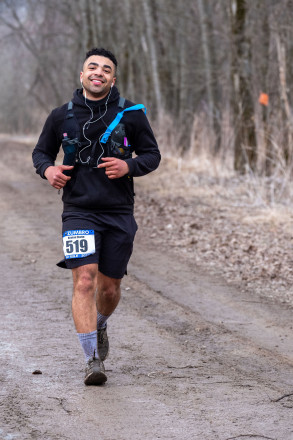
[{"x": 263, "y": 99}]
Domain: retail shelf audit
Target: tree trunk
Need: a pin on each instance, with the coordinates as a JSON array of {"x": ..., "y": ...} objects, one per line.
[
  {"x": 286, "y": 110},
  {"x": 245, "y": 143},
  {"x": 153, "y": 56},
  {"x": 130, "y": 52},
  {"x": 210, "y": 70},
  {"x": 267, "y": 136}
]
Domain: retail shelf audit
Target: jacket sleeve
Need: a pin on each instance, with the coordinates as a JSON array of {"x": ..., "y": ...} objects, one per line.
[
  {"x": 144, "y": 144},
  {"x": 47, "y": 148}
]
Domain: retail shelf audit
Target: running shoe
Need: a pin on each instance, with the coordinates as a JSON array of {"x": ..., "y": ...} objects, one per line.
[{"x": 95, "y": 372}]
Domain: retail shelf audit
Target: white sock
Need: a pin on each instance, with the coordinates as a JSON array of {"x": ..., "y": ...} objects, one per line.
[{"x": 89, "y": 344}]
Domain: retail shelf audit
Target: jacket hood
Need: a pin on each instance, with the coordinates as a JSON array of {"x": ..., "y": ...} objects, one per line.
[{"x": 79, "y": 99}]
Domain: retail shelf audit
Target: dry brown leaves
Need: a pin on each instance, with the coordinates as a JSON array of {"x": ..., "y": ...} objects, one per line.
[{"x": 216, "y": 222}]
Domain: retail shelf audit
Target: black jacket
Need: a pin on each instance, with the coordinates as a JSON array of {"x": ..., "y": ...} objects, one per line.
[{"x": 89, "y": 188}]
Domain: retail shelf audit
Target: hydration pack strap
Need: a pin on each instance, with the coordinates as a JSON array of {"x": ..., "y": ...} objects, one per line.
[
  {"x": 118, "y": 118},
  {"x": 70, "y": 126},
  {"x": 69, "y": 109},
  {"x": 121, "y": 102}
]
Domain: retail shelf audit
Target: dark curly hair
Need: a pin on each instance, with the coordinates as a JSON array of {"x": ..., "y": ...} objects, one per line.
[{"x": 103, "y": 53}]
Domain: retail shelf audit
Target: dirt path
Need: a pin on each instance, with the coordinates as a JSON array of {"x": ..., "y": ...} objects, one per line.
[{"x": 191, "y": 358}]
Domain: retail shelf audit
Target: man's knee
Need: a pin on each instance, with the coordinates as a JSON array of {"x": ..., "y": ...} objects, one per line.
[
  {"x": 109, "y": 288},
  {"x": 85, "y": 279}
]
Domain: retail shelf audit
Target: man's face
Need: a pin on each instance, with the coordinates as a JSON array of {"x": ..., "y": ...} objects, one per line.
[{"x": 97, "y": 76}]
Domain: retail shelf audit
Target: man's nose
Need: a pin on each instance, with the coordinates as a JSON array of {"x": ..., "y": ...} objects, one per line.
[{"x": 99, "y": 71}]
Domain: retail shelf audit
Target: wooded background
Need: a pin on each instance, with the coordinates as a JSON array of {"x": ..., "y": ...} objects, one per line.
[{"x": 200, "y": 66}]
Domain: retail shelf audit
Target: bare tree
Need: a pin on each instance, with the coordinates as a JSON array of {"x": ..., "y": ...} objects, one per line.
[
  {"x": 245, "y": 143},
  {"x": 153, "y": 54},
  {"x": 210, "y": 70}
]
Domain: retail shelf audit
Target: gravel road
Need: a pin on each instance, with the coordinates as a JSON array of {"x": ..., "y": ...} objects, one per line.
[{"x": 191, "y": 358}]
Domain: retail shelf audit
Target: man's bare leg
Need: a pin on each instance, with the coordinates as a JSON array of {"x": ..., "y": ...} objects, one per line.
[
  {"x": 87, "y": 299},
  {"x": 95, "y": 297},
  {"x": 84, "y": 312},
  {"x": 108, "y": 294}
]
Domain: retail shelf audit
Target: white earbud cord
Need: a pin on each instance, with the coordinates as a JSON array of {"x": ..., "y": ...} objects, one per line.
[{"x": 86, "y": 124}]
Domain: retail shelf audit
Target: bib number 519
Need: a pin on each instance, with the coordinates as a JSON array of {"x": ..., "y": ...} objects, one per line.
[
  {"x": 76, "y": 246},
  {"x": 78, "y": 243}
]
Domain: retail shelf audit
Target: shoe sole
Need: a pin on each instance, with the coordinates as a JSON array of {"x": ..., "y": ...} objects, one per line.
[{"x": 95, "y": 378}]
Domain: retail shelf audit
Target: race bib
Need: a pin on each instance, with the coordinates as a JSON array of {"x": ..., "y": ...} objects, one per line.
[{"x": 79, "y": 243}]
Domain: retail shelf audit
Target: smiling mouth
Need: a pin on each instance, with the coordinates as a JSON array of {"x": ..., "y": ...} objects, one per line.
[{"x": 96, "y": 81}]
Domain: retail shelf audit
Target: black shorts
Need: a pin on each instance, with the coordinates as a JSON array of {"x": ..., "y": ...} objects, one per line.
[{"x": 113, "y": 237}]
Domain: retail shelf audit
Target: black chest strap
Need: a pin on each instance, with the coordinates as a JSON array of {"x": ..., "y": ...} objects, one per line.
[{"x": 70, "y": 126}]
